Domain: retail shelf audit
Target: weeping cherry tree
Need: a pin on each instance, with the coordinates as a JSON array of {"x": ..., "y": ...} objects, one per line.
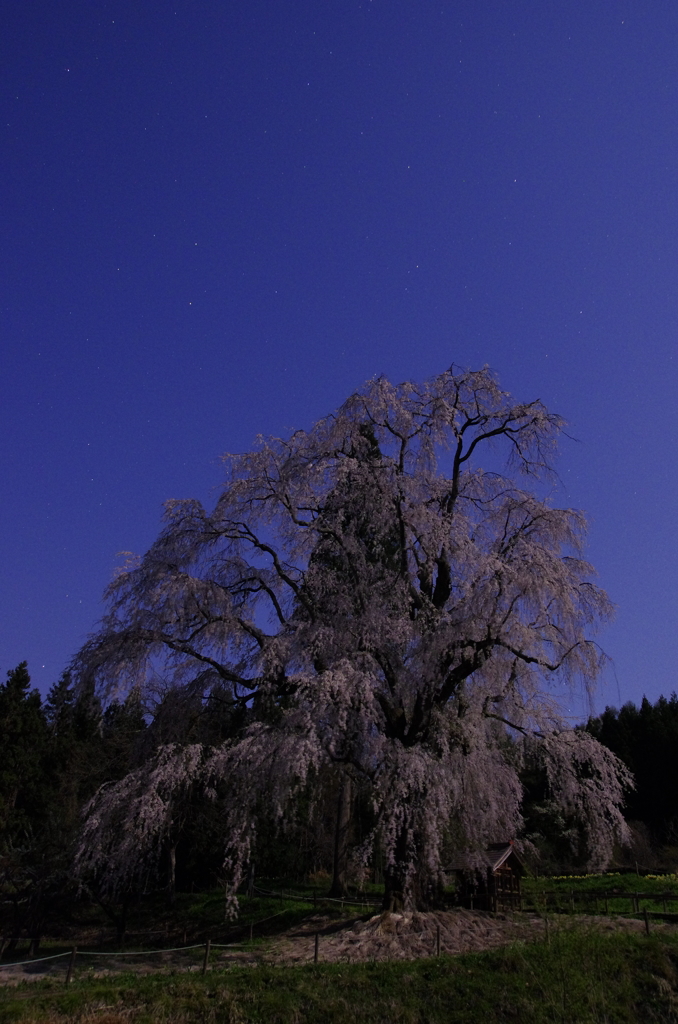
[{"x": 370, "y": 601}]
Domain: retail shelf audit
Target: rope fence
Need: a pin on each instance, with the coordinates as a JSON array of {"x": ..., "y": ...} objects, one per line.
[
  {"x": 141, "y": 952},
  {"x": 597, "y": 901},
  {"x": 73, "y": 953},
  {"x": 358, "y": 901},
  {"x": 537, "y": 901},
  {"x": 208, "y": 946},
  {"x": 35, "y": 960}
]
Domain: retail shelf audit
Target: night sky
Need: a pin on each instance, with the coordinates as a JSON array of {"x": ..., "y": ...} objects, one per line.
[{"x": 220, "y": 218}]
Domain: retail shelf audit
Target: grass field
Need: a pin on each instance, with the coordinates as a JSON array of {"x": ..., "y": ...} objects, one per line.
[{"x": 578, "y": 977}]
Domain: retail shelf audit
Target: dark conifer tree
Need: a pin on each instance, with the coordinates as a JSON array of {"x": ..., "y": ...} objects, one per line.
[
  {"x": 645, "y": 738},
  {"x": 24, "y": 801},
  {"x": 23, "y": 730}
]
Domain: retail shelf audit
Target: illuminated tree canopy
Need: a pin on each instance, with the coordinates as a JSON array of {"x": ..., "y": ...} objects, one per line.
[{"x": 370, "y": 600}]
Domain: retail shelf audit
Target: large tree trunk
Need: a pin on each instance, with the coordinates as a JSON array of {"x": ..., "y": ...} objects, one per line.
[
  {"x": 172, "y": 873},
  {"x": 341, "y": 838},
  {"x": 397, "y": 895},
  {"x": 119, "y": 919},
  {"x": 16, "y": 926},
  {"x": 419, "y": 894},
  {"x": 406, "y": 887}
]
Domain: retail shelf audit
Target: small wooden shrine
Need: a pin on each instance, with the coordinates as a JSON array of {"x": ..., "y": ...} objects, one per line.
[{"x": 491, "y": 880}]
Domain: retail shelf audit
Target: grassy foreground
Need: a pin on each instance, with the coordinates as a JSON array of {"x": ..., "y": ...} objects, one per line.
[{"x": 579, "y": 977}]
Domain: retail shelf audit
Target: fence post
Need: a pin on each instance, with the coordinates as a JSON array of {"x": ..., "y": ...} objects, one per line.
[
  {"x": 71, "y": 965},
  {"x": 547, "y": 936},
  {"x": 315, "y": 950},
  {"x": 207, "y": 956},
  {"x": 251, "y": 930},
  {"x": 572, "y": 899},
  {"x": 647, "y": 921}
]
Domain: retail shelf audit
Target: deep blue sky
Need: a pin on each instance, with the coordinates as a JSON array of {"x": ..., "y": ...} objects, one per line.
[{"x": 220, "y": 217}]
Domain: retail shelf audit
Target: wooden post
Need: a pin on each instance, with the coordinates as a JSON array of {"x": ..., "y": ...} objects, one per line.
[
  {"x": 251, "y": 930},
  {"x": 207, "y": 956},
  {"x": 437, "y": 940},
  {"x": 572, "y": 900},
  {"x": 71, "y": 965},
  {"x": 315, "y": 950},
  {"x": 547, "y": 935},
  {"x": 647, "y": 921}
]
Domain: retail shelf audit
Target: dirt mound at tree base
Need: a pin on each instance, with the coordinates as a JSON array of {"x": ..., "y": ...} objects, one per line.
[
  {"x": 404, "y": 936},
  {"x": 407, "y": 936}
]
